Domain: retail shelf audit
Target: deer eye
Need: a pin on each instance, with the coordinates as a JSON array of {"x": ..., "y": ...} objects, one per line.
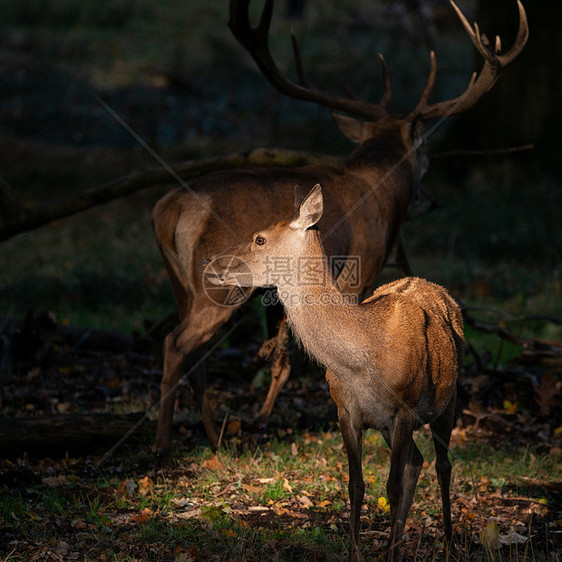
[{"x": 259, "y": 240}]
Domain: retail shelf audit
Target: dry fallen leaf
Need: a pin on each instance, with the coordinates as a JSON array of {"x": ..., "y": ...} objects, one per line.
[
  {"x": 489, "y": 536},
  {"x": 512, "y": 538},
  {"x": 143, "y": 516},
  {"x": 547, "y": 393},
  {"x": 213, "y": 464},
  {"x": 304, "y": 501},
  {"x": 233, "y": 427},
  {"x": 55, "y": 481},
  {"x": 145, "y": 486},
  {"x": 251, "y": 489}
]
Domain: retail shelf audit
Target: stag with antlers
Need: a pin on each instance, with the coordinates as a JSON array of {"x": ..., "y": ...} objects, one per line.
[{"x": 367, "y": 197}]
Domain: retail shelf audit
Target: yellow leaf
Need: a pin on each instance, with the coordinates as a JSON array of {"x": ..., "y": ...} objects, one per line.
[
  {"x": 383, "y": 504},
  {"x": 510, "y": 407}
]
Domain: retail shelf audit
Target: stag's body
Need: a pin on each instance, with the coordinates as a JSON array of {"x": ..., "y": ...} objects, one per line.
[
  {"x": 392, "y": 361},
  {"x": 367, "y": 198}
]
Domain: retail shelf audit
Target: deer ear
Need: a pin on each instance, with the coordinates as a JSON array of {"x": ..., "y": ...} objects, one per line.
[
  {"x": 352, "y": 128},
  {"x": 310, "y": 211}
]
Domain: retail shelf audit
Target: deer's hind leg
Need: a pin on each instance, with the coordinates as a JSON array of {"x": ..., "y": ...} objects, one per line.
[
  {"x": 441, "y": 431},
  {"x": 198, "y": 326},
  {"x": 405, "y": 466}
]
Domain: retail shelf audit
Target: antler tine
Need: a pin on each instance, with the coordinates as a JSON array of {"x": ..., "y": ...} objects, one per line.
[
  {"x": 479, "y": 84},
  {"x": 298, "y": 62},
  {"x": 422, "y": 103},
  {"x": 387, "y": 92},
  {"x": 265, "y": 18},
  {"x": 520, "y": 40},
  {"x": 255, "y": 41}
]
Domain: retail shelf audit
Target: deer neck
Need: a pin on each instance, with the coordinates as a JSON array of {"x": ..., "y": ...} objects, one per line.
[
  {"x": 319, "y": 314},
  {"x": 378, "y": 157}
]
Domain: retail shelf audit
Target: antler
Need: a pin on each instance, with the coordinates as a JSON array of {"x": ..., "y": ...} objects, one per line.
[
  {"x": 255, "y": 41},
  {"x": 479, "y": 84}
]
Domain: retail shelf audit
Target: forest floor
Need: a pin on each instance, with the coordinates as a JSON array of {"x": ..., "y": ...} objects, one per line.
[{"x": 278, "y": 493}]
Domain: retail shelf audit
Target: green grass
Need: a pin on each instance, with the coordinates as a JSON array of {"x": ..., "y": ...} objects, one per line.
[{"x": 286, "y": 500}]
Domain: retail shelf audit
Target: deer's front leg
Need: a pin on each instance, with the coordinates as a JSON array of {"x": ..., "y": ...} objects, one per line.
[{"x": 352, "y": 438}]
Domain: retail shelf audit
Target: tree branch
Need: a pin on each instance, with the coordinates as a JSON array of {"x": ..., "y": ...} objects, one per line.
[{"x": 24, "y": 220}]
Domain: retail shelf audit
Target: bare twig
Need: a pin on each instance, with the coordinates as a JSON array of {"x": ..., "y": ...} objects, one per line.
[{"x": 490, "y": 152}]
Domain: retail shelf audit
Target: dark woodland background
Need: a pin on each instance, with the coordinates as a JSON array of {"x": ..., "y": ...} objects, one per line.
[{"x": 85, "y": 302}]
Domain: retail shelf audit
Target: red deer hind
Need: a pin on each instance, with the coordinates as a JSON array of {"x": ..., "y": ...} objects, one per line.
[
  {"x": 392, "y": 360},
  {"x": 367, "y": 196}
]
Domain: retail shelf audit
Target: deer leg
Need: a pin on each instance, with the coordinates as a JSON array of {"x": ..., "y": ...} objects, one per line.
[
  {"x": 280, "y": 371},
  {"x": 352, "y": 439},
  {"x": 405, "y": 466},
  {"x": 194, "y": 330},
  {"x": 441, "y": 431},
  {"x": 173, "y": 361},
  {"x": 198, "y": 381}
]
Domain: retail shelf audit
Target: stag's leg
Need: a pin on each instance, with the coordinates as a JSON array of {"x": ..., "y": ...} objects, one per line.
[
  {"x": 441, "y": 430},
  {"x": 405, "y": 466},
  {"x": 197, "y": 374},
  {"x": 194, "y": 330},
  {"x": 280, "y": 370}
]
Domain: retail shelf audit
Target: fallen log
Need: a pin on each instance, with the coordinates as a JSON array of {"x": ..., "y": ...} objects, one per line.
[{"x": 72, "y": 434}]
